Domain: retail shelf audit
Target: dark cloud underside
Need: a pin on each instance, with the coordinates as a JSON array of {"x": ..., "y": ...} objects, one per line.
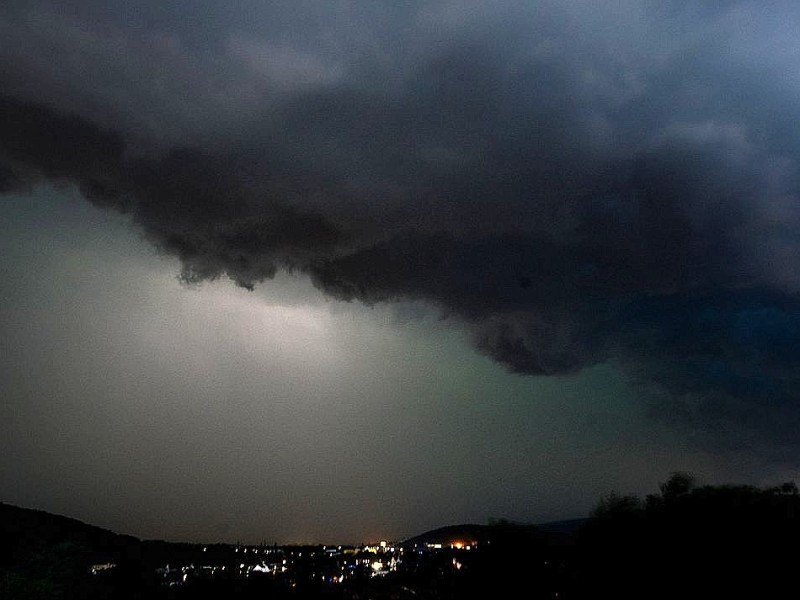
[{"x": 575, "y": 187}]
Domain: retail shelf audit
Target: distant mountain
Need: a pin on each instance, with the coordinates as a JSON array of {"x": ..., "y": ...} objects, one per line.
[
  {"x": 552, "y": 532},
  {"x": 452, "y": 533}
]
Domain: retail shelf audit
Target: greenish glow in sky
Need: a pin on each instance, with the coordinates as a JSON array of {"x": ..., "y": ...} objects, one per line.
[
  {"x": 137, "y": 403},
  {"x": 425, "y": 197}
]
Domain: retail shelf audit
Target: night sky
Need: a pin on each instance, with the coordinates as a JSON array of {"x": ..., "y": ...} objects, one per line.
[{"x": 349, "y": 270}]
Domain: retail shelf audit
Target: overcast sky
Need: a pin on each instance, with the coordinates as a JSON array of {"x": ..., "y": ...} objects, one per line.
[{"x": 342, "y": 271}]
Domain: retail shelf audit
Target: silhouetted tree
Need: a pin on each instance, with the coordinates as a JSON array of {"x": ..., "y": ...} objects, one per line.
[
  {"x": 615, "y": 506},
  {"x": 689, "y": 541},
  {"x": 679, "y": 484}
]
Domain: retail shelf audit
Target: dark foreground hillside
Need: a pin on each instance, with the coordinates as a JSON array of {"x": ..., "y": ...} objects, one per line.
[
  {"x": 685, "y": 542},
  {"x": 730, "y": 541},
  {"x": 49, "y": 556}
]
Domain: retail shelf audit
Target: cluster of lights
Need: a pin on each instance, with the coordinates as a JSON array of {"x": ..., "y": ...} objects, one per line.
[
  {"x": 457, "y": 545},
  {"x": 181, "y": 575},
  {"x": 377, "y": 560},
  {"x": 382, "y": 546},
  {"x": 95, "y": 569},
  {"x": 463, "y": 545}
]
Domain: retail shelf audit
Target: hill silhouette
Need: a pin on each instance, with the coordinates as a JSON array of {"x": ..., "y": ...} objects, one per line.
[
  {"x": 49, "y": 556},
  {"x": 470, "y": 532},
  {"x": 24, "y": 530},
  {"x": 451, "y": 534},
  {"x": 688, "y": 541}
]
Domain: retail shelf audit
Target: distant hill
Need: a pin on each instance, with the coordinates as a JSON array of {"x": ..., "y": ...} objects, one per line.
[
  {"x": 451, "y": 534},
  {"x": 554, "y": 532}
]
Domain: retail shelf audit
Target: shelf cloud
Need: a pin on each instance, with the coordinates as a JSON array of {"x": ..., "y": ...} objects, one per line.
[{"x": 574, "y": 188}]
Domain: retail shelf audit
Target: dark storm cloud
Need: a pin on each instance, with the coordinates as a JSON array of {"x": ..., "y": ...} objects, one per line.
[
  {"x": 576, "y": 187},
  {"x": 189, "y": 203},
  {"x": 37, "y": 142}
]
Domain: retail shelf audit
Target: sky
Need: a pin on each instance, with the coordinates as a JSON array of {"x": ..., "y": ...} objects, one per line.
[{"x": 346, "y": 271}]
